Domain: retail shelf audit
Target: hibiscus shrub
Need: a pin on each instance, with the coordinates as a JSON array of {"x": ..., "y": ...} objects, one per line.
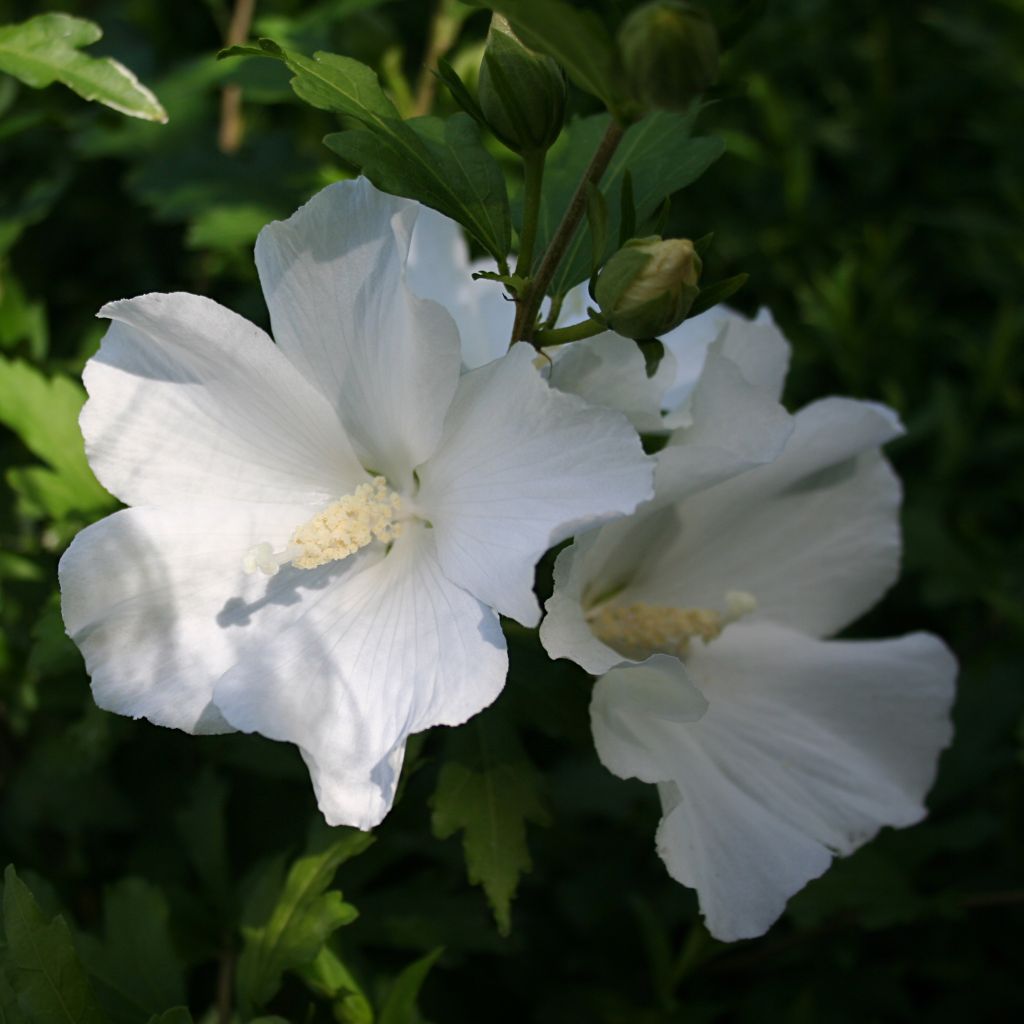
[{"x": 344, "y": 538}]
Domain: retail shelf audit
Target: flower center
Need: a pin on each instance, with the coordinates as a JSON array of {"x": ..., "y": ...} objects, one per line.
[
  {"x": 639, "y": 630},
  {"x": 343, "y": 528}
]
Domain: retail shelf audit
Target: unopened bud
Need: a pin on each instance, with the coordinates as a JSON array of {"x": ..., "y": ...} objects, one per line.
[
  {"x": 521, "y": 92},
  {"x": 670, "y": 53},
  {"x": 648, "y": 286}
]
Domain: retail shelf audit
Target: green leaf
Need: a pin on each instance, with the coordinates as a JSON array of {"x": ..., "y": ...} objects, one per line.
[
  {"x": 440, "y": 163},
  {"x": 45, "y": 49},
  {"x": 576, "y": 38},
  {"x": 716, "y": 293},
  {"x": 328, "y": 975},
  {"x": 43, "y": 412},
  {"x": 135, "y": 963},
  {"x": 460, "y": 93},
  {"x": 43, "y": 969},
  {"x": 201, "y": 825},
  {"x": 488, "y": 789},
  {"x": 661, "y": 157},
  {"x": 22, "y": 321},
  {"x": 400, "y": 1005},
  {"x": 302, "y": 918}
]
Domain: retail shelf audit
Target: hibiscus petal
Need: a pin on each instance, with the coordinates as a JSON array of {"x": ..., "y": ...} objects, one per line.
[
  {"x": 520, "y": 468},
  {"x": 353, "y": 661},
  {"x": 611, "y": 371},
  {"x": 187, "y": 400},
  {"x": 439, "y": 268},
  {"x": 813, "y": 535},
  {"x": 145, "y": 594},
  {"x": 333, "y": 277},
  {"x": 806, "y": 750},
  {"x": 756, "y": 346}
]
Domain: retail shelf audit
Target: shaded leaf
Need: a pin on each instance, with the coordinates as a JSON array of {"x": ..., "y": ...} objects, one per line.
[
  {"x": 43, "y": 969},
  {"x": 488, "y": 789},
  {"x": 135, "y": 964},
  {"x": 176, "y": 1015},
  {"x": 400, "y": 1005},
  {"x": 46, "y": 49},
  {"x": 661, "y": 158},
  {"x": 716, "y": 293},
  {"x": 440, "y": 163}
]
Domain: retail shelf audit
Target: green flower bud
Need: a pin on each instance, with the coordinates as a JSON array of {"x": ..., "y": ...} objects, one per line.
[
  {"x": 670, "y": 53},
  {"x": 648, "y": 286},
  {"x": 521, "y": 92}
]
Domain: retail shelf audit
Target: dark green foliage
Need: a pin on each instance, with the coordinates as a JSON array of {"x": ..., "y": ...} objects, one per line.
[{"x": 871, "y": 188}]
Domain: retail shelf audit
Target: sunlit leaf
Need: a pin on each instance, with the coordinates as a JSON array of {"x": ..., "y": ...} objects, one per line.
[
  {"x": 302, "y": 918},
  {"x": 46, "y": 49}
]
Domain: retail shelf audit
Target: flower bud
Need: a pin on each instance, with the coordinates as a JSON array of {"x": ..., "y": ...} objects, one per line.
[
  {"x": 521, "y": 92},
  {"x": 670, "y": 53},
  {"x": 648, "y": 286}
]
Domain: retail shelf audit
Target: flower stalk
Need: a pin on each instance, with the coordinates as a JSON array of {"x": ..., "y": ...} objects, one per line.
[{"x": 529, "y": 301}]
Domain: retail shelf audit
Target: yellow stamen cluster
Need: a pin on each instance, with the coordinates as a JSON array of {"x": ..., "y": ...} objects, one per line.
[
  {"x": 348, "y": 524},
  {"x": 639, "y": 630}
]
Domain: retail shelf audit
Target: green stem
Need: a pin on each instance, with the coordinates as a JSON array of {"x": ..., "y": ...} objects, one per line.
[
  {"x": 563, "y": 335},
  {"x": 533, "y": 294},
  {"x": 533, "y": 179}
]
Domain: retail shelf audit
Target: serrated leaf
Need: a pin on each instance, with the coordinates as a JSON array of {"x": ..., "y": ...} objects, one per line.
[
  {"x": 489, "y": 790},
  {"x": 441, "y": 163},
  {"x": 576, "y": 38},
  {"x": 42, "y": 967},
  {"x": 43, "y": 412},
  {"x": 661, "y": 157},
  {"x": 46, "y": 49},
  {"x": 135, "y": 964},
  {"x": 400, "y": 1005},
  {"x": 303, "y": 917}
]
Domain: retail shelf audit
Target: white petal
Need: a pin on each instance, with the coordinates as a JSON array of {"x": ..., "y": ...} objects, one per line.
[
  {"x": 333, "y": 277},
  {"x": 610, "y": 370},
  {"x": 807, "y": 748},
  {"x": 521, "y": 467},
  {"x": 813, "y": 535},
  {"x": 146, "y": 594},
  {"x": 439, "y": 268},
  {"x": 734, "y": 426},
  {"x": 356, "y": 656},
  {"x": 756, "y": 346},
  {"x": 187, "y": 399},
  {"x": 635, "y": 712}
]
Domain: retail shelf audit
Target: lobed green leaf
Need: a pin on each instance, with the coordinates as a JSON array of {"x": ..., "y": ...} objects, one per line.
[{"x": 489, "y": 790}]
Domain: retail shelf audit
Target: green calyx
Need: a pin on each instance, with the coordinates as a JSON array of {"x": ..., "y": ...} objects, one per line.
[
  {"x": 669, "y": 52},
  {"x": 521, "y": 92}
]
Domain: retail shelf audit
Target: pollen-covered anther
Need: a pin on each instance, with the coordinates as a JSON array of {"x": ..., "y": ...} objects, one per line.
[
  {"x": 639, "y": 630},
  {"x": 348, "y": 524}
]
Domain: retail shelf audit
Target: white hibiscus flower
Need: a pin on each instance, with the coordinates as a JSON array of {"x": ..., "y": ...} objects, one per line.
[
  {"x": 706, "y": 615},
  {"x": 323, "y": 531}
]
